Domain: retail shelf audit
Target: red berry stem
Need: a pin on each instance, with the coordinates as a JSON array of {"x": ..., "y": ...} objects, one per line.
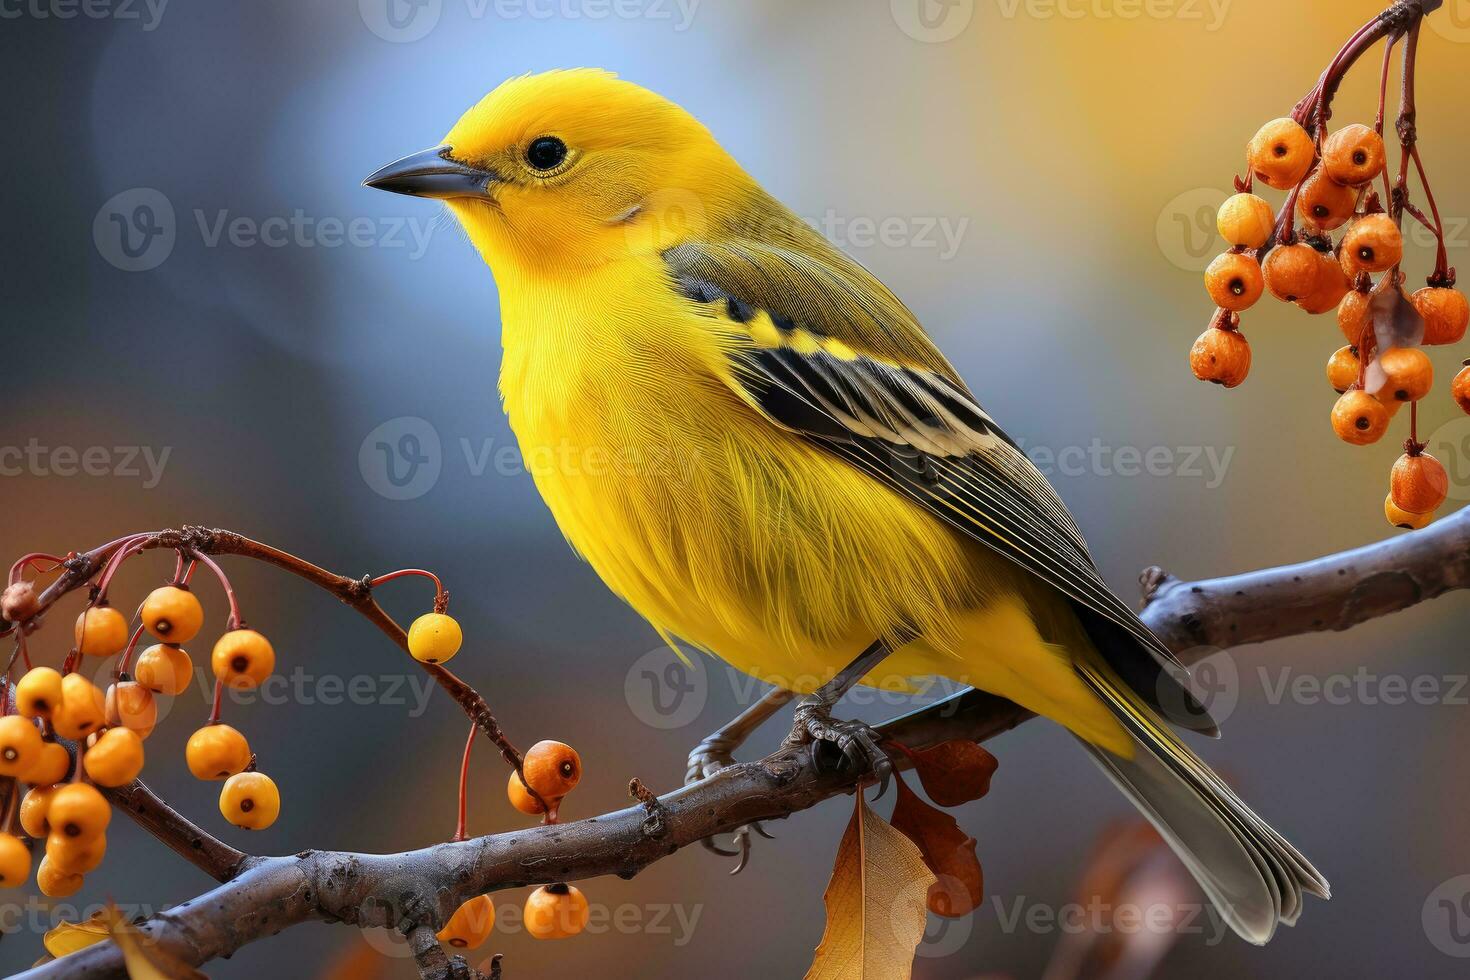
[
  {"x": 219, "y": 698},
  {"x": 441, "y": 597},
  {"x": 127, "y": 656},
  {"x": 1443, "y": 274},
  {"x": 464, "y": 782},
  {"x": 30, "y": 561},
  {"x": 132, "y": 546},
  {"x": 236, "y": 621}
]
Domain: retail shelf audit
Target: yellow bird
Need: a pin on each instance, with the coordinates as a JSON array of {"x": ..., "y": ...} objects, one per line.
[{"x": 755, "y": 444}]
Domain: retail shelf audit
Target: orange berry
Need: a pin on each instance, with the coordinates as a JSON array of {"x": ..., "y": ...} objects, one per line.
[
  {"x": 52, "y": 767},
  {"x": 1418, "y": 483},
  {"x": 101, "y": 631},
  {"x": 1291, "y": 271},
  {"x": 1343, "y": 369},
  {"x": 164, "y": 669},
  {"x": 83, "y": 710},
  {"x": 250, "y": 800},
  {"x": 172, "y": 614},
  {"x": 1281, "y": 153},
  {"x": 116, "y": 758},
  {"x": 243, "y": 659},
  {"x": 38, "y": 693},
  {"x": 1409, "y": 371},
  {"x": 1246, "y": 221},
  {"x": 1332, "y": 286},
  {"x": 1373, "y": 244},
  {"x": 20, "y": 746},
  {"x": 1326, "y": 203},
  {"x": 216, "y": 752},
  {"x": 552, "y": 769},
  {"x": 1353, "y": 155},
  {"x": 1359, "y": 418},
  {"x": 556, "y": 912},
  {"x": 1445, "y": 311},
  {"x": 1220, "y": 356},
  {"x": 1233, "y": 281},
  {"x": 15, "y": 861},
  {"x": 33, "y": 807},
  {"x": 55, "y": 883},
  {"x": 78, "y": 810},
  {"x": 75, "y": 855},
  {"x": 131, "y": 705},
  {"x": 1353, "y": 316},
  {"x": 1460, "y": 388},
  {"x": 1399, "y": 517},
  {"x": 515, "y": 791},
  {"x": 470, "y": 925}
]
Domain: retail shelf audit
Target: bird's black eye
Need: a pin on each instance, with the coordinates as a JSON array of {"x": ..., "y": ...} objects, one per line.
[{"x": 546, "y": 153}]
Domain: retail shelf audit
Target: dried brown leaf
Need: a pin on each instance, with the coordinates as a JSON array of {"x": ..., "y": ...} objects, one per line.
[
  {"x": 954, "y": 772},
  {"x": 948, "y": 852},
  {"x": 875, "y": 903}
]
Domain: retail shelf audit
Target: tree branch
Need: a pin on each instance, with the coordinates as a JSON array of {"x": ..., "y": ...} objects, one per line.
[{"x": 418, "y": 890}]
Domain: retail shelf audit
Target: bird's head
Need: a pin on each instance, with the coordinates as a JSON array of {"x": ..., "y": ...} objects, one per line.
[{"x": 567, "y": 169}]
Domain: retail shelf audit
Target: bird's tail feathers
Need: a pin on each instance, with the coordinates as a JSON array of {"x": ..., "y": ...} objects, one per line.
[{"x": 1249, "y": 871}]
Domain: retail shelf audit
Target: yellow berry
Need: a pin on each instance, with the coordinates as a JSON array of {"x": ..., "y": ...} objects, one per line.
[
  {"x": 1326, "y": 203},
  {"x": 471, "y": 924},
  {"x": 83, "y": 709},
  {"x": 1445, "y": 311},
  {"x": 1221, "y": 356},
  {"x": 1399, "y": 517},
  {"x": 434, "y": 638},
  {"x": 116, "y": 758},
  {"x": 1246, "y": 221},
  {"x": 101, "y": 631},
  {"x": 52, "y": 767},
  {"x": 1418, "y": 483},
  {"x": 172, "y": 614},
  {"x": 164, "y": 669},
  {"x": 243, "y": 659},
  {"x": 38, "y": 693},
  {"x": 20, "y": 746},
  {"x": 516, "y": 792},
  {"x": 1353, "y": 155},
  {"x": 131, "y": 705},
  {"x": 15, "y": 861},
  {"x": 1343, "y": 369},
  {"x": 250, "y": 800},
  {"x": 556, "y": 912},
  {"x": 217, "y": 752},
  {"x": 55, "y": 883},
  {"x": 78, "y": 810},
  {"x": 1291, "y": 271}
]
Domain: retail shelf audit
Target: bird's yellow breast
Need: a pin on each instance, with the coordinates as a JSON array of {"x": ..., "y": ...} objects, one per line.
[{"x": 714, "y": 523}]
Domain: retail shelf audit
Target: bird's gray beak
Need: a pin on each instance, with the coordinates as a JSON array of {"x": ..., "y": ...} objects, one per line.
[{"x": 433, "y": 173}]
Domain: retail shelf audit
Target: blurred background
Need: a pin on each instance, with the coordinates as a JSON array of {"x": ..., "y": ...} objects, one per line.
[{"x": 208, "y": 320}]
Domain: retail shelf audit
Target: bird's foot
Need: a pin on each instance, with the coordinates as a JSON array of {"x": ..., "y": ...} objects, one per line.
[
  {"x": 708, "y": 758},
  {"x": 855, "y": 744}
]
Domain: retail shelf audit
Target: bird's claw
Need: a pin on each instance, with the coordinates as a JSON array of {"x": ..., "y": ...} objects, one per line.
[
  {"x": 708, "y": 758},
  {"x": 857, "y": 742}
]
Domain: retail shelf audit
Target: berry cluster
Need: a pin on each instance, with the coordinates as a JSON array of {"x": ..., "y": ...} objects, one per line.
[
  {"x": 548, "y": 773},
  {"x": 1292, "y": 254}
]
